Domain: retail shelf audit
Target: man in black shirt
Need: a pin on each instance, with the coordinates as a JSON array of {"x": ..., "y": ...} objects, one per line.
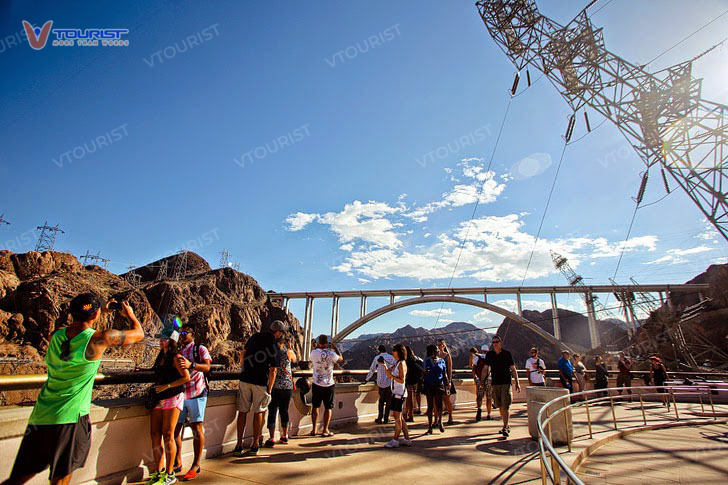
[
  {"x": 260, "y": 356},
  {"x": 499, "y": 363}
]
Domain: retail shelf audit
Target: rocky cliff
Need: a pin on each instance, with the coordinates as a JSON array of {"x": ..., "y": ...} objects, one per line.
[
  {"x": 35, "y": 288},
  {"x": 460, "y": 336}
]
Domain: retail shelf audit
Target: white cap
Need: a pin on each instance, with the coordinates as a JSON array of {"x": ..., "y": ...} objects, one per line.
[{"x": 484, "y": 347}]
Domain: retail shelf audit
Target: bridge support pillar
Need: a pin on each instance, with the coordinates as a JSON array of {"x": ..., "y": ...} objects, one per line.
[
  {"x": 334, "y": 317},
  {"x": 518, "y": 304},
  {"x": 555, "y": 317},
  {"x": 286, "y": 301},
  {"x": 308, "y": 327},
  {"x": 363, "y": 306},
  {"x": 593, "y": 332}
]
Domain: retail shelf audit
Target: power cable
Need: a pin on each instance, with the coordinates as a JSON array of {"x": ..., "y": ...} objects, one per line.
[{"x": 477, "y": 202}]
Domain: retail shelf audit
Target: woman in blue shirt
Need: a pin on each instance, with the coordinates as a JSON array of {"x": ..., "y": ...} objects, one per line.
[{"x": 435, "y": 384}]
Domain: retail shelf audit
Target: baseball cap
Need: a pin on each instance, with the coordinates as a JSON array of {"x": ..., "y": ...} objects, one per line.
[
  {"x": 84, "y": 305},
  {"x": 484, "y": 347},
  {"x": 170, "y": 329},
  {"x": 278, "y": 326}
]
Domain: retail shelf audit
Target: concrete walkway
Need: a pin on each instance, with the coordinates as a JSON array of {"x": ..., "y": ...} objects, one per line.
[
  {"x": 468, "y": 452},
  {"x": 691, "y": 454}
]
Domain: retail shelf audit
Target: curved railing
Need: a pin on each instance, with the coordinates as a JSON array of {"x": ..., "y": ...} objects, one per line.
[{"x": 553, "y": 465}]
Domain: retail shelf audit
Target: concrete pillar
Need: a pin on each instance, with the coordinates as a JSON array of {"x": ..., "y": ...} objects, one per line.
[
  {"x": 335, "y": 317},
  {"x": 391, "y": 298},
  {"x": 555, "y": 316},
  {"x": 485, "y": 297},
  {"x": 363, "y": 306},
  {"x": 518, "y": 304},
  {"x": 286, "y": 301},
  {"x": 593, "y": 333},
  {"x": 308, "y": 326}
]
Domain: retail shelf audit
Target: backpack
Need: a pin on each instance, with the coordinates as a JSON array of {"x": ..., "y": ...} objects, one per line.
[
  {"x": 198, "y": 360},
  {"x": 479, "y": 366}
]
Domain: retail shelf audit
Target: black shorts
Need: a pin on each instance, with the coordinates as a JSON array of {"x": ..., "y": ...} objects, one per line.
[
  {"x": 320, "y": 394},
  {"x": 63, "y": 447},
  {"x": 434, "y": 390},
  {"x": 396, "y": 404}
]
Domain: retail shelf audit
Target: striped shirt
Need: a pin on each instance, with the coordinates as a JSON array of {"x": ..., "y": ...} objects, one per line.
[{"x": 196, "y": 385}]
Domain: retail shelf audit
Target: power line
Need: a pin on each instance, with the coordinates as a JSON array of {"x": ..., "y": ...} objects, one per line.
[
  {"x": 477, "y": 202},
  {"x": 686, "y": 38}
]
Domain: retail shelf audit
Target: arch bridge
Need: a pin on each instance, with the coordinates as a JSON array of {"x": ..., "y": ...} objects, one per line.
[{"x": 477, "y": 297}]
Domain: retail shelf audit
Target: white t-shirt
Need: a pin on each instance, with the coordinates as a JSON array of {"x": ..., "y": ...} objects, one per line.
[
  {"x": 323, "y": 366},
  {"x": 532, "y": 367}
]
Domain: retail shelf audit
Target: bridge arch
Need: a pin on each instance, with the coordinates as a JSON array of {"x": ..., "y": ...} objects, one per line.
[{"x": 447, "y": 299}]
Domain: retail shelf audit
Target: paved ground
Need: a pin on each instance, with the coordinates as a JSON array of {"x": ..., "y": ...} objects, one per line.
[
  {"x": 695, "y": 454},
  {"x": 470, "y": 452}
]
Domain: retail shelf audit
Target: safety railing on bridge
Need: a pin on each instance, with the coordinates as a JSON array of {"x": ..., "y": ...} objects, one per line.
[{"x": 553, "y": 466}]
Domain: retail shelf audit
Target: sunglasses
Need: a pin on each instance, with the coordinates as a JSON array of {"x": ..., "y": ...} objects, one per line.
[
  {"x": 497, "y": 341},
  {"x": 182, "y": 334},
  {"x": 65, "y": 351}
]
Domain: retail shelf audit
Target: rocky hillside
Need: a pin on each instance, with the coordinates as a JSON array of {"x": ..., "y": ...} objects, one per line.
[
  {"x": 706, "y": 332},
  {"x": 35, "y": 288},
  {"x": 574, "y": 331},
  {"x": 460, "y": 336}
]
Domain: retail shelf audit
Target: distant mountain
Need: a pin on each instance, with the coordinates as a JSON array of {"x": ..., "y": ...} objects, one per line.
[{"x": 459, "y": 336}]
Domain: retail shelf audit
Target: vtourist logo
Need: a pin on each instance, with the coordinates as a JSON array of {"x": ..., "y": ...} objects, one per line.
[{"x": 38, "y": 37}]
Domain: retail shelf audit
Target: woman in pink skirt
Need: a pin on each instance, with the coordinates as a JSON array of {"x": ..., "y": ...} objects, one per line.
[{"x": 171, "y": 378}]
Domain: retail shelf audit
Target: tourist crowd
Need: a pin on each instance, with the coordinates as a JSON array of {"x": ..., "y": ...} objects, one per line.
[{"x": 59, "y": 430}]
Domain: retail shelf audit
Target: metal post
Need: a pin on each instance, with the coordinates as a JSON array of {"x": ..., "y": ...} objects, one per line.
[
  {"x": 555, "y": 317},
  {"x": 542, "y": 459},
  {"x": 593, "y": 332},
  {"x": 710, "y": 395},
  {"x": 614, "y": 416},
  {"x": 588, "y": 418},
  {"x": 642, "y": 406},
  {"x": 700, "y": 398},
  {"x": 518, "y": 303},
  {"x": 334, "y": 316},
  {"x": 391, "y": 298},
  {"x": 566, "y": 426},
  {"x": 674, "y": 404},
  {"x": 306, "y": 329},
  {"x": 485, "y": 297},
  {"x": 363, "y": 306}
]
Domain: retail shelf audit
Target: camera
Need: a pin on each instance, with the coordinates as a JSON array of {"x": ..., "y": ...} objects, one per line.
[{"x": 115, "y": 305}]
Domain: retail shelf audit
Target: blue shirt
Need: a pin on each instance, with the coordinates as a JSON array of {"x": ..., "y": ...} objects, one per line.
[
  {"x": 435, "y": 372},
  {"x": 566, "y": 367}
]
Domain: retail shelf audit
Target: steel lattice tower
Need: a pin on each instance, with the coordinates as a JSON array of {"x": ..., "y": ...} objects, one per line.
[
  {"x": 95, "y": 257},
  {"x": 661, "y": 114},
  {"x": 180, "y": 266},
  {"x": 47, "y": 237},
  {"x": 2, "y": 220}
]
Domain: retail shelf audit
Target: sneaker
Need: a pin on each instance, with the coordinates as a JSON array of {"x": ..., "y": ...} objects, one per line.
[
  {"x": 489, "y": 418},
  {"x": 153, "y": 478},
  {"x": 410, "y": 420},
  {"x": 442, "y": 428},
  {"x": 405, "y": 442},
  {"x": 478, "y": 415},
  {"x": 378, "y": 420},
  {"x": 417, "y": 412},
  {"x": 253, "y": 451},
  {"x": 429, "y": 430},
  {"x": 238, "y": 449},
  {"x": 392, "y": 444},
  {"x": 506, "y": 433},
  {"x": 170, "y": 480}
]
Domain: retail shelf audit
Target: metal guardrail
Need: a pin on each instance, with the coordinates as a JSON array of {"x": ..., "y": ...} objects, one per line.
[
  {"x": 552, "y": 464},
  {"x": 36, "y": 381}
]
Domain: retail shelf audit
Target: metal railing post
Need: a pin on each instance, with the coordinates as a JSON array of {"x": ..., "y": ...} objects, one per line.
[
  {"x": 614, "y": 416},
  {"x": 700, "y": 397},
  {"x": 588, "y": 418},
  {"x": 710, "y": 395},
  {"x": 543, "y": 468},
  {"x": 674, "y": 404},
  {"x": 642, "y": 405}
]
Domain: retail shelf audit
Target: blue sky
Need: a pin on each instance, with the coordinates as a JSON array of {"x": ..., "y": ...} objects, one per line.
[{"x": 296, "y": 136}]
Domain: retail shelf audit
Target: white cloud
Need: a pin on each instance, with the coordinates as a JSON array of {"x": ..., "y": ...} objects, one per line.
[
  {"x": 530, "y": 166},
  {"x": 431, "y": 313},
  {"x": 299, "y": 220},
  {"x": 363, "y": 281},
  {"x": 676, "y": 256}
]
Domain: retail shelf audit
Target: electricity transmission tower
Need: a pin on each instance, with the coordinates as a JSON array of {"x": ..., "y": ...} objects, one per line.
[
  {"x": 180, "y": 266},
  {"x": 2, "y": 220},
  {"x": 132, "y": 277},
  {"x": 224, "y": 258},
  {"x": 661, "y": 114},
  {"x": 162, "y": 273},
  {"x": 95, "y": 257},
  {"x": 47, "y": 237}
]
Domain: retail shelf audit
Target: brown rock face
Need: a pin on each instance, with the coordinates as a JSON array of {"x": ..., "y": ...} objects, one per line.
[{"x": 225, "y": 306}]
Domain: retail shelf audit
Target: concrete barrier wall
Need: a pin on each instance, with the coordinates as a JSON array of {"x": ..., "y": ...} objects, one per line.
[{"x": 121, "y": 449}]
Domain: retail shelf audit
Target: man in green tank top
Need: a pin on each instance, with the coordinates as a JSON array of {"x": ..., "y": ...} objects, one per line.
[{"x": 59, "y": 430}]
